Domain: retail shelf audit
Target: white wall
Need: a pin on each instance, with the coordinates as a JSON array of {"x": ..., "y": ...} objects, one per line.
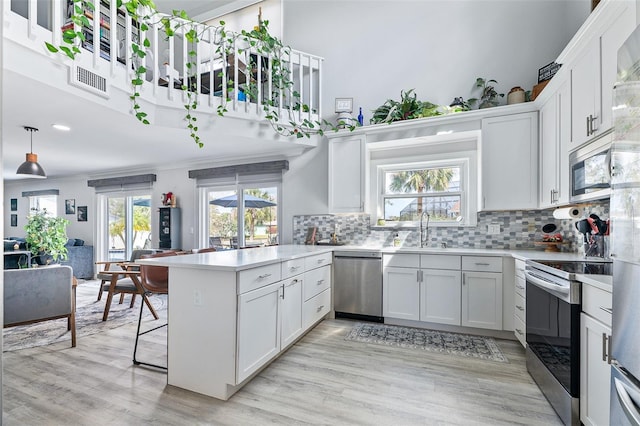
[{"x": 375, "y": 49}]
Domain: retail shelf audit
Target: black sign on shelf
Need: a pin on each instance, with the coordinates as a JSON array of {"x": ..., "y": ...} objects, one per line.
[{"x": 548, "y": 71}]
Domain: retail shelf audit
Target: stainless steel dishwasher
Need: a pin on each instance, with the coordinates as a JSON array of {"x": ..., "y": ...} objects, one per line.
[{"x": 358, "y": 285}]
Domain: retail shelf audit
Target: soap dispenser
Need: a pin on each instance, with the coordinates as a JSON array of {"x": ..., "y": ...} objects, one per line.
[{"x": 396, "y": 240}]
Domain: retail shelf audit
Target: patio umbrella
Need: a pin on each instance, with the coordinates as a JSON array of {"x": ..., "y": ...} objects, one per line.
[
  {"x": 250, "y": 202},
  {"x": 143, "y": 202}
]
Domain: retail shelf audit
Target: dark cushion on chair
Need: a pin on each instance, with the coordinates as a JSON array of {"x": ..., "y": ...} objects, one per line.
[{"x": 70, "y": 242}]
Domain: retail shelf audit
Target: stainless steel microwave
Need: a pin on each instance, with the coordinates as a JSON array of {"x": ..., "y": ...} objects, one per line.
[{"x": 590, "y": 167}]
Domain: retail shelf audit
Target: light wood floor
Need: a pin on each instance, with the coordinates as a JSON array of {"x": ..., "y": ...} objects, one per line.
[{"x": 323, "y": 379}]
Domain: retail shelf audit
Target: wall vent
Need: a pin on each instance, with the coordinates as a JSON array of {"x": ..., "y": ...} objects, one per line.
[{"x": 88, "y": 80}]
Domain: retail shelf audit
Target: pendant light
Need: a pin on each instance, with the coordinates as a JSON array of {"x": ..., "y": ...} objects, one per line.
[{"x": 31, "y": 168}]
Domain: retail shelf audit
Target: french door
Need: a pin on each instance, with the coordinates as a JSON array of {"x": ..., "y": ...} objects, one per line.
[{"x": 126, "y": 224}]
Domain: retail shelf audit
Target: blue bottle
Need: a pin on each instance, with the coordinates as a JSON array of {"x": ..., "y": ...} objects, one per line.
[{"x": 361, "y": 117}]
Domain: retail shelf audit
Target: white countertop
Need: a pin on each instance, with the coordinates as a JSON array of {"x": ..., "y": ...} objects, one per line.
[
  {"x": 237, "y": 260},
  {"x": 603, "y": 282}
]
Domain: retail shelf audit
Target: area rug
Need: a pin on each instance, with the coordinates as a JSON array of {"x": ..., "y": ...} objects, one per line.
[
  {"x": 88, "y": 319},
  {"x": 427, "y": 340}
]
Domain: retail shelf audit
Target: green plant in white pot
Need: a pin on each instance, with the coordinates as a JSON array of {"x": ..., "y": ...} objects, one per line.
[{"x": 46, "y": 236}]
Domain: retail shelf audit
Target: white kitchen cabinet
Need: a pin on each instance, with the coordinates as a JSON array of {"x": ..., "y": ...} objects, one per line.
[
  {"x": 291, "y": 321},
  {"x": 440, "y": 295},
  {"x": 520, "y": 303},
  {"x": 509, "y": 158},
  {"x": 593, "y": 73},
  {"x": 401, "y": 293},
  {"x": 259, "y": 319},
  {"x": 595, "y": 372},
  {"x": 595, "y": 355},
  {"x": 482, "y": 300},
  {"x": 555, "y": 132},
  {"x": 346, "y": 174}
]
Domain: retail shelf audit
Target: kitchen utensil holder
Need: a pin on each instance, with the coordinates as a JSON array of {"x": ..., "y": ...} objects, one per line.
[{"x": 596, "y": 247}]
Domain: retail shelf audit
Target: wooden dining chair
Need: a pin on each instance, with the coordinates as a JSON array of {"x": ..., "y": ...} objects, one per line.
[
  {"x": 154, "y": 280},
  {"x": 106, "y": 275}
]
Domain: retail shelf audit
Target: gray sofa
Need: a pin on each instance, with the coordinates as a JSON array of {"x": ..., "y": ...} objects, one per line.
[
  {"x": 39, "y": 294},
  {"x": 80, "y": 258}
]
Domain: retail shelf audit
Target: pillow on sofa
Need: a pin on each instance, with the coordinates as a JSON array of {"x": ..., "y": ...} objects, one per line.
[
  {"x": 70, "y": 242},
  {"x": 79, "y": 242}
]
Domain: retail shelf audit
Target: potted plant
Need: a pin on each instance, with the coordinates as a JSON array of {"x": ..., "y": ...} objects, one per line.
[
  {"x": 489, "y": 96},
  {"x": 46, "y": 237}
]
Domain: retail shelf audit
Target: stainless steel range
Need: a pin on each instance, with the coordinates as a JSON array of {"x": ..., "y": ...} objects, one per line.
[{"x": 553, "y": 330}]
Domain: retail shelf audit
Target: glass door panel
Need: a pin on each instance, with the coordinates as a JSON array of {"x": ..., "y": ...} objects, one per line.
[
  {"x": 129, "y": 225},
  {"x": 260, "y": 216},
  {"x": 223, "y": 219}
]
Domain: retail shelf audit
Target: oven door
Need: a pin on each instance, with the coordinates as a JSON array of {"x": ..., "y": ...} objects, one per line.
[{"x": 553, "y": 331}]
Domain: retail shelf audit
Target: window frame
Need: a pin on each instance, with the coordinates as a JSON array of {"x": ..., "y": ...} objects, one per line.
[
  {"x": 465, "y": 160},
  {"x": 35, "y": 201}
]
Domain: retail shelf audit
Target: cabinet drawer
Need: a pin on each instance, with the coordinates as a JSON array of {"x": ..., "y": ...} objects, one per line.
[
  {"x": 316, "y": 281},
  {"x": 521, "y": 288},
  {"x": 315, "y": 308},
  {"x": 317, "y": 260},
  {"x": 519, "y": 329},
  {"x": 520, "y": 266},
  {"x": 439, "y": 261},
  {"x": 401, "y": 260},
  {"x": 519, "y": 307},
  {"x": 482, "y": 263},
  {"x": 292, "y": 267},
  {"x": 250, "y": 279},
  {"x": 593, "y": 300}
]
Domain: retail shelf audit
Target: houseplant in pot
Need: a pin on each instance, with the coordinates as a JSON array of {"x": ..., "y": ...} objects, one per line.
[{"x": 46, "y": 237}]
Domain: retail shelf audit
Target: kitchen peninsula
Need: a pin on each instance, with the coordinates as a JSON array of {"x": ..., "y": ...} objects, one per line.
[{"x": 232, "y": 312}]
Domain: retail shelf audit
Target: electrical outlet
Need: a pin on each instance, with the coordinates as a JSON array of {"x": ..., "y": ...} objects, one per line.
[
  {"x": 197, "y": 298},
  {"x": 493, "y": 228}
]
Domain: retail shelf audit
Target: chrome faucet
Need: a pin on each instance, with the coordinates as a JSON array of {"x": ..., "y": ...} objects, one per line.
[{"x": 424, "y": 233}]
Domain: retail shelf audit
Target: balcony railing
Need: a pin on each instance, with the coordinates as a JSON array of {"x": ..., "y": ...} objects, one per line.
[{"x": 213, "y": 80}]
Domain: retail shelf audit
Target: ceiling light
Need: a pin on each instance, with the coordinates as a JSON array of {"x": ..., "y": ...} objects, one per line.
[
  {"x": 31, "y": 168},
  {"x": 61, "y": 127}
]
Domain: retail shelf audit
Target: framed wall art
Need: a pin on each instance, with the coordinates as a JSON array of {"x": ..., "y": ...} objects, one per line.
[
  {"x": 14, "y": 220},
  {"x": 344, "y": 104},
  {"x": 70, "y": 206},
  {"x": 14, "y": 204},
  {"x": 82, "y": 213}
]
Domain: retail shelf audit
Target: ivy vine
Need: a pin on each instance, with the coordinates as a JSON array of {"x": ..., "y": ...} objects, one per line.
[{"x": 257, "y": 43}]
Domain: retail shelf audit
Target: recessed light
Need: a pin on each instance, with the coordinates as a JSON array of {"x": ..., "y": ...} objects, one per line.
[{"x": 61, "y": 127}]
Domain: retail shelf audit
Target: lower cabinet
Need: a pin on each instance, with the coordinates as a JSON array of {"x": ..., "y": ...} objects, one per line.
[
  {"x": 259, "y": 328},
  {"x": 595, "y": 355},
  {"x": 291, "y": 311},
  {"x": 482, "y": 300},
  {"x": 401, "y": 293},
  {"x": 467, "y": 290},
  {"x": 440, "y": 295},
  {"x": 520, "y": 305}
]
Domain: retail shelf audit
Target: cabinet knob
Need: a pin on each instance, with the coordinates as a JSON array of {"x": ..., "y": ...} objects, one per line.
[
  {"x": 519, "y": 332},
  {"x": 321, "y": 307}
]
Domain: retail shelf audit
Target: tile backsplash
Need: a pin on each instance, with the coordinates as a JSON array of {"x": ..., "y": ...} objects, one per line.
[{"x": 518, "y": 229}]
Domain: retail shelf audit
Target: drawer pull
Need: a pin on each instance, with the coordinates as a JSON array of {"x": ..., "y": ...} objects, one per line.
[
  {"x": 519, "y": 332},
  {"x": 321, "y": 307},
  {"x": 294, "y": 268},
  {"x": 607, "y": 310},
  {"x": 482, "y": 264},
  {"x": 261, "y": 277},
  {"x": 320, "y": 282},
  {"x": 320, "y": 260},
  {"x": 520, "y": 307},
  {"x": 520, "y": 287}
]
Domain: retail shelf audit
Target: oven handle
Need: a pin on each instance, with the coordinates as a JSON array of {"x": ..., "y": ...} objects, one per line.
[{"x": 544, "y": 284}]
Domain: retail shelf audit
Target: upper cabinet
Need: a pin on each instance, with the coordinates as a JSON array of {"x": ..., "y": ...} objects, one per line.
[
  {"x": 555, "y": 132},
  {"x": 594, "y": 67},
  {"x": 509, "y": 155},
  {"x": 346, "y": 174}
]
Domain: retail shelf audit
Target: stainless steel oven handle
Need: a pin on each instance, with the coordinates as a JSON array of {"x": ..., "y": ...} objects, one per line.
[
  {"x": 627, "y": 404},
  {"x": 546, "y": 285}
]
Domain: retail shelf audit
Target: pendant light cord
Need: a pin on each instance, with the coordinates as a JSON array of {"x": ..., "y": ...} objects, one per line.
[{"x": 31, "y": 130}]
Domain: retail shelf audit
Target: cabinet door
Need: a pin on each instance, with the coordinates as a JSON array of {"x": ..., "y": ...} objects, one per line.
[
  {"x": 482, "y": 300},
  {"x": 585, "y": 94},
  {"x": 291, "y": 311},
  {"x": 509, "y": 154},
  {"x": 610, "y": 41},
  {"x": 549, "y": 154},
  {"x": 401, "y": 293},
  {"x": 258, "y": 329},
  {"x": 346, "y": 175},
  {"x": 440, "y": 292},
  {"x": 595, "y": 372},
  {"x": 563, "y": 99}
]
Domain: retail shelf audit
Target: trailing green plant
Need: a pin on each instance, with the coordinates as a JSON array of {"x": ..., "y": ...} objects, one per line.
[
  {"x": 46, "y": 235},
  {"x": 258, "y": 41},
  {"x": 489, "y": 95}
]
